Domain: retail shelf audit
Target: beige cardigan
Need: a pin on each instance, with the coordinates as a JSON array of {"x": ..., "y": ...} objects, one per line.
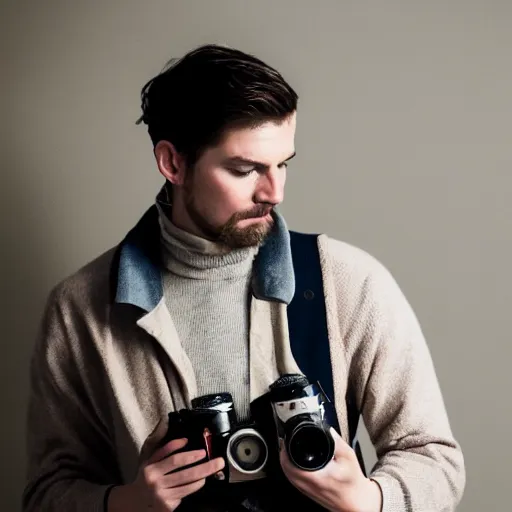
[{"x": 104, "y": 372}]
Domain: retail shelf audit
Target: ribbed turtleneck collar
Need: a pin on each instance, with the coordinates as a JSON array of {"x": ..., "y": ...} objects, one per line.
[{"x": 191, "y": 256}]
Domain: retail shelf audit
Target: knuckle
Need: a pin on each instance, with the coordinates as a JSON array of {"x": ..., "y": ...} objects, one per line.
[
  {"x": 150, "y": 477},
  {"x": 183, "y": 459},
  {"x": 177, "y": 459}
]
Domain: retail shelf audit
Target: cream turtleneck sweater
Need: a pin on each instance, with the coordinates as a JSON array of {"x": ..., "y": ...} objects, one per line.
[{"x": 207, "y": 291}]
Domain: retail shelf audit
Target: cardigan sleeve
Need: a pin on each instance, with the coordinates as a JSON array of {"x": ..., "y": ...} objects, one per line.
[
  {"x": 420, "y": 465},
  {"x": 69, "y": 457}
]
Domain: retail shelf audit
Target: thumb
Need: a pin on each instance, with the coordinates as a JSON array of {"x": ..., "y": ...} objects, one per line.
[
  {"x": 154, "y": 439},
  {"x": 341, "y": 447}
]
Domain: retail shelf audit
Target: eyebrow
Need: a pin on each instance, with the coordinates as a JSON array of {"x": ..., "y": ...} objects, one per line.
[{"x": 247, "y": 161}]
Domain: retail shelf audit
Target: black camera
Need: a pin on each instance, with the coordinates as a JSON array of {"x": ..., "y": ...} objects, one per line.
[
  {"x": 299, "y": 416},
  {"x": 211, "y": 424}
]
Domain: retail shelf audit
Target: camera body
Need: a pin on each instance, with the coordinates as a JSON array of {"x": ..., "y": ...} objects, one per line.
[
  {"x": 292, "y": 410},
  {"x": 211, "y": 424},
  {"x": 299, "y": 415}
]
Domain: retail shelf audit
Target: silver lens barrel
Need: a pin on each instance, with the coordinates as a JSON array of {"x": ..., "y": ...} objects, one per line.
[{"x": 247, "y": 451}]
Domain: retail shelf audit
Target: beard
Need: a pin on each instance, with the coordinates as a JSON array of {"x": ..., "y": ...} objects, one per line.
[
  {"x": 229, "y": 233},
  {"x": 235, "y": 237}
]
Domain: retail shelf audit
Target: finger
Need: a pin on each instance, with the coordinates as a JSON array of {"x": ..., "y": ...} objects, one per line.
[
  {"x": 194, "y": 474},
  {"x": 179, "y": 460},
  {"x": 341, "y": 447},
  {"x": 178, "y": 493},
  {"x": 167, "y": 449}
]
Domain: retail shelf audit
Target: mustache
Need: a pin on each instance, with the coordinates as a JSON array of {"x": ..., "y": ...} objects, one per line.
[{"x": 259, "y": 210}]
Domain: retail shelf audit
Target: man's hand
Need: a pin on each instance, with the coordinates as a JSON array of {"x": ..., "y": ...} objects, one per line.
[
  {"x": 340, "y": 486},
  {"x": 154, "y": 488}
]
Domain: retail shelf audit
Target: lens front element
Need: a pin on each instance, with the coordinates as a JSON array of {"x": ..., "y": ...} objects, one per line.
[
  {"x": 247, "y": 451},
  {"x": 310, "y": 447}
]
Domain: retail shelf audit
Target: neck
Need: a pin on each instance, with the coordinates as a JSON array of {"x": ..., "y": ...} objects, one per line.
[
  {"x": 177, "y": 219},
  {"x": 180, "y": 218},
  {"x": 190, "y": 255}
]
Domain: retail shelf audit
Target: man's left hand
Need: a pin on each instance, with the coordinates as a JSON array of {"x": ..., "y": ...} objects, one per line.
[{"x": 340, "y": 486}]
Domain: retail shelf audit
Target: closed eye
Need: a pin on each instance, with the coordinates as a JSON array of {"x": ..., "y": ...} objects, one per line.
[
  {"x": 242, "y": 172},
  {"x": 242, "y": 167}
]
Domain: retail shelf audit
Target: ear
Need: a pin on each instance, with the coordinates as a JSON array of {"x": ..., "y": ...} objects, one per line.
[{"x": 171, "y": 164}]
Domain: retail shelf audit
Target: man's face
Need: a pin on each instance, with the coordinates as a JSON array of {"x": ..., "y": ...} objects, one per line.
[{"x": 229, "y": 194}]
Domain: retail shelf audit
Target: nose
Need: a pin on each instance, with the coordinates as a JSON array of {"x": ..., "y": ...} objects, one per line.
[{"x": 270, "y": 187}]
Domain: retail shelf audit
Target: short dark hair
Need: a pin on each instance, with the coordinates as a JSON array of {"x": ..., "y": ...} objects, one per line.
[{"x": 195, "y": 99}]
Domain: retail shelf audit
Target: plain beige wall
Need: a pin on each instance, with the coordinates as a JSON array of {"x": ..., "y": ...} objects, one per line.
[{"x": 404, "y": 148}]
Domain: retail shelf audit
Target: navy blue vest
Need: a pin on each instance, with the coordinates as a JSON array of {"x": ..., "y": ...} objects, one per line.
[{"x": 307, "y": 324}]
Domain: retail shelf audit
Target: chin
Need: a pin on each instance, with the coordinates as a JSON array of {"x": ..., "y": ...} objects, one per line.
[{"x": 250, "y": 236}]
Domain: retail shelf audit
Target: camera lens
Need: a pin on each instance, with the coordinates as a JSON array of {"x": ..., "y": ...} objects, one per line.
[
  {"x": 247, "y": 451},
  {"x": 310, "y": 447}
]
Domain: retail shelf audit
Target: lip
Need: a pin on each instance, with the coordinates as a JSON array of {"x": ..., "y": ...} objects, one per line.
[{"x": 266, "y": 217}]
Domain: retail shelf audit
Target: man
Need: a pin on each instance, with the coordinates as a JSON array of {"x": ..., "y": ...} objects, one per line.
[{"x": 194, "y": 302}]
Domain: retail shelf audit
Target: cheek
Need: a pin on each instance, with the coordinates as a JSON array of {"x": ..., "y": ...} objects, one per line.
[
  {"x": 224, "y": 196},
  {"x": 235, "y": 191}
]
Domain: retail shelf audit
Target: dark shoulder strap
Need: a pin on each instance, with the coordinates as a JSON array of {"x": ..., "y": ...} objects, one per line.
[{"x": 307, "y": 324}]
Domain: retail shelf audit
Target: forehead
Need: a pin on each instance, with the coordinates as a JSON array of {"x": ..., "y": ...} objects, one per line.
[{"x": 268, "y": 142}]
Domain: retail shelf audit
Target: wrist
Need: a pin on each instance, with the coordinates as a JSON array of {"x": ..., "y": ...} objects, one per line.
[
  {"x": 370, "y": 497},
  {"x": 364, "y": 496},
  {"x": 120, "y": 499}
]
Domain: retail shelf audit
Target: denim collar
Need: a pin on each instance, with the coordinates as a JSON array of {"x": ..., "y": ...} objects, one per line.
[{"x": 139, "y": 270}]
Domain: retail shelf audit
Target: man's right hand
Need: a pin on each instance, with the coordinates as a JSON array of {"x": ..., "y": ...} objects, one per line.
[{"x": 154, "y": 488}]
